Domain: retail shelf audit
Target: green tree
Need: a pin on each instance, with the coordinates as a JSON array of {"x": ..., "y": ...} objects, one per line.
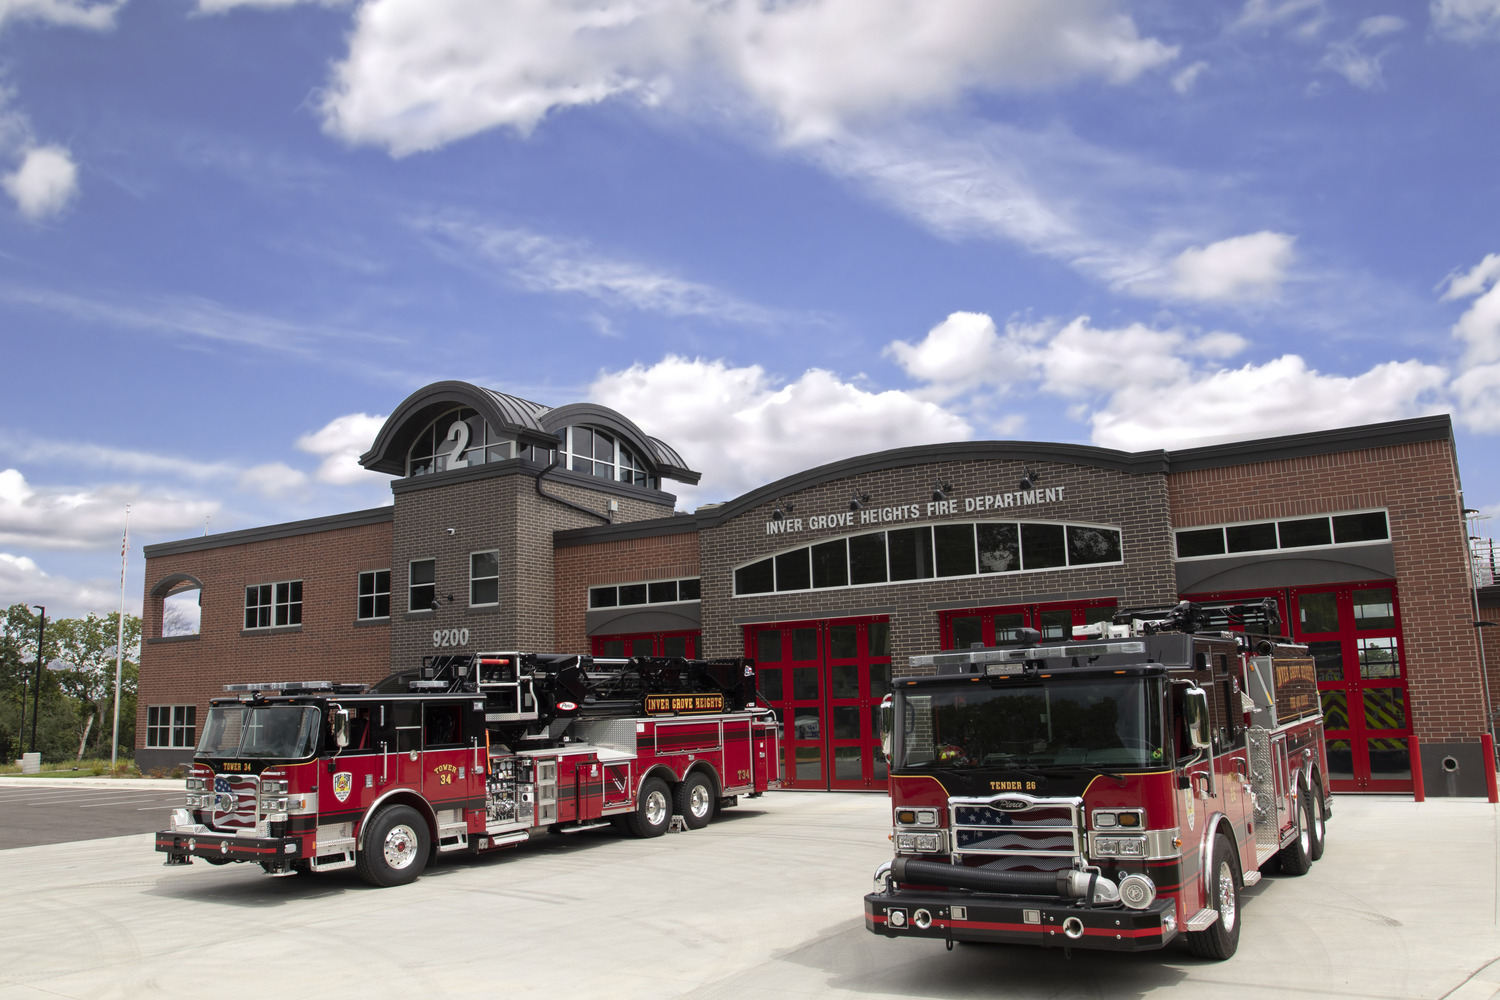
[{"x": 88, "y": 646}]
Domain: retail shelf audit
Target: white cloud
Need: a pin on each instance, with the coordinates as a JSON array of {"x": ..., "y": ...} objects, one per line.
[
  {"x": 742, "y": 428},
  {"x": 545, "y": 264},
  {"x": 22, "y": 581},
  {"x": 1349, "y": 58},
  {"x": 222, "y": 6},
  {"x": 1303, "y": 18},
  {"x": 1184, "y": 79},
  {"x": 87, "y": 517},
  {"x": 1140, "y": 388},
  {"x": 1466, "y": 20},
  {"x": 422, "y": 73},
  {"x": 1250, "y": 267},
  {"x": 1479, "y": 327},
  {"x": 95, "y": 14},
  {"x": 273, "y": 480},
  {"x": 44, "y": 183},
  {"x": 340, "y": 442},
  {"x": 1282, "y": 396}
]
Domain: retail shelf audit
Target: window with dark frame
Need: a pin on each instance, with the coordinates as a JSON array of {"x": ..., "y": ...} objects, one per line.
[
  {"x": 422, "y": 584},
  {"x": 484, "y": 578},
  {"x": 651, "y": 592},
  {"x": 171, "y": 727},
  {"x": 1290, "y": 533},
  {"x": 273, "y": 605},
  {"x": 374, "y": 594}
]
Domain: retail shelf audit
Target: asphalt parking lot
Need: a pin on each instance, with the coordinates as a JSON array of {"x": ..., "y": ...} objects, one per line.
[
  {"x": 55, "y": 811},
  {"x": 765, "y": 903}
]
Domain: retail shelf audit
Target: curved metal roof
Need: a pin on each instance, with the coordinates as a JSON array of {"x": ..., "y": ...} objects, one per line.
[{"x": 532, "y": 424}]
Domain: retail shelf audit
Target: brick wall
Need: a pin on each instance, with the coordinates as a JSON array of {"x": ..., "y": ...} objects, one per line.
[
  {"x": 1418, "y": 484},
  {"x": 577, "y": 568},
  {"x": 328, "y": 646},
  {"x": 504, "y": 513},
  {"x": 1136, "y": 504}
]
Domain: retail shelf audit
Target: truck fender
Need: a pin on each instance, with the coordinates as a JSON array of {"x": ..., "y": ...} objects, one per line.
[
  {"x": 661, "y": 771},
  {"x": 1216, "y": 823},
  {"x": 713, "y": 774},
  {"x": 406, "y": 797}
]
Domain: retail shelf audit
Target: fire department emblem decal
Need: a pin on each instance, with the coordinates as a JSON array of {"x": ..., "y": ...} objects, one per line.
[{"x": 343, "y": 784}]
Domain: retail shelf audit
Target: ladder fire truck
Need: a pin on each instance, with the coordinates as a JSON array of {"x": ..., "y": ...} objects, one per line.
[
  {"x": 1116, "y": 792},
  {"x": 471, "y": 753}
]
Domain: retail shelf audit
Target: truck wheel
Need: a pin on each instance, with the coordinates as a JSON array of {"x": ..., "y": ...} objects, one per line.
[
  {"x": 1296, "y": 857},
  {"x": 1319, "y": 823},
  {"x": 1222, "y": 938},
  {"x": 694, "y": 800},
  {"x": 653, "y": 811},
  {"x": 396, "y": 847}
]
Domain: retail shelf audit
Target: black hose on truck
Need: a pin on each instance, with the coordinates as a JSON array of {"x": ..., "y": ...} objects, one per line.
[{"x": 1067, "y": 884}]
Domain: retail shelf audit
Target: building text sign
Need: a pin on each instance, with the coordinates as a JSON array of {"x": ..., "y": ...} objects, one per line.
[{"x": 984, "y": 503}]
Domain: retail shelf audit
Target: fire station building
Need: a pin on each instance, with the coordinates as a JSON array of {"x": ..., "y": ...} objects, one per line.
[{"x": 522, "y": 526}]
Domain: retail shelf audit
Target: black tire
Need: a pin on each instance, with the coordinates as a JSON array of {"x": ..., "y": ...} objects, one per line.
[
  {"x": 653, "y": 810},
  {"x": 1296, "y": 858},
  {"x": 397, "y": 844},
  {"x": 1222, "y": 938},
  {"x": 1319, "y": 826},
  {"x": 694, "y": 800}
]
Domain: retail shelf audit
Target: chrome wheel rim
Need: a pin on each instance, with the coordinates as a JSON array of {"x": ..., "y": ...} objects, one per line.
[
  {"x": 698, "y": 803},
  {"x": 656, "y": 807},
  {"x": 1226, "y": 896},
  {"x": 400, "y": 847},
  {"x": 1304, "y": 835},
  {"x": 1317, "y": 811}
]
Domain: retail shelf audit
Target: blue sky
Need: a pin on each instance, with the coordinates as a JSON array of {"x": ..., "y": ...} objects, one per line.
[{"x": 234, "y": 234}]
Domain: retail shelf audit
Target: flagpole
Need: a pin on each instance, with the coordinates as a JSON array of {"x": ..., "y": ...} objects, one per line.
[{"x": 114, "y": 742}]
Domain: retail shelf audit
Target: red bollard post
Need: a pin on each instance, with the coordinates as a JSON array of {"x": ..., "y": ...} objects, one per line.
[
  {"x": 1418, "y": 790},
  {"x": 1487, "y": 745}
]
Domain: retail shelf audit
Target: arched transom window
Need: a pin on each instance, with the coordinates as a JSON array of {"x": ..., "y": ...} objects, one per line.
[
  {"x": 596, "y": 452},
  {"x": 456, "y": 440}
]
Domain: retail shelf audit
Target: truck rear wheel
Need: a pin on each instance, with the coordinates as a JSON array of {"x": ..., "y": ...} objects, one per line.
[
  {"x": 1222, "y": 938},
  {"x": 653, "y": 810},
  {"x": 396, "y": 847},
  {"x": 1296, "y": 858},
  {"x": 694, "y": 800}
]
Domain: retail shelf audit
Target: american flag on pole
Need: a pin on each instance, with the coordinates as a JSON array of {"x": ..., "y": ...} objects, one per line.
[{"x": 234, "y": 801}]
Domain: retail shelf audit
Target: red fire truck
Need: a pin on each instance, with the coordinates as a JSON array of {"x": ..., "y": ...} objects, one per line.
[
  {"x": 1114, "y": 792},
  {"x": 470, "y": 753}
]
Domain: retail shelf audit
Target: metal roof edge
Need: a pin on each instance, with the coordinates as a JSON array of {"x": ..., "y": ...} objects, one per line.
[
  {"x": 266, "y": 533},
  {"x": 1382, "y": 435}
]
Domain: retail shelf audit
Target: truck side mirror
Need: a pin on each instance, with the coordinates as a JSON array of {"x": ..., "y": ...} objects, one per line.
[
  {"x": 1195, "y": 714},
  {"x": 341, "y": 727},
  {"x": 887, "y": 724}
]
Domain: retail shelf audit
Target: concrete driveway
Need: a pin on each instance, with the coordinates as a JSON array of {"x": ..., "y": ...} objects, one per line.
[{"x": 762, "y": 905}]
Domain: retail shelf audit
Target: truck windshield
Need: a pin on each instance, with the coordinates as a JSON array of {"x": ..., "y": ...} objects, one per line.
[
  {"x": 284, "y": 731},
  {"x": 1089, "y": 722}
]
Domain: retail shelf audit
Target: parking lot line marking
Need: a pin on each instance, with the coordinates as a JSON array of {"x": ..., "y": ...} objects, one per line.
[
  {"x": 127, "y": 802},
  {"x": 149, "y": 808}
]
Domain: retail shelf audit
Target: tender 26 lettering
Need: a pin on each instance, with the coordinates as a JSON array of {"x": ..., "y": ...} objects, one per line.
[{"x": 1013, "y": 786}]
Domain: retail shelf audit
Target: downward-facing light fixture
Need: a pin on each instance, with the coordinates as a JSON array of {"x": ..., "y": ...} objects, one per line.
[
  {"x": 858, "y": 501},
  {"x": 1029, "y": 479},
  {"x": 782, "y": 509},
  {"x": 940, "y": 491}
]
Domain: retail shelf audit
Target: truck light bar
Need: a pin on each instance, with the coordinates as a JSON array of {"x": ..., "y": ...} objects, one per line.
[
  {"x": 282, "y": 686},
  {"x": 1003, "y": 661}
]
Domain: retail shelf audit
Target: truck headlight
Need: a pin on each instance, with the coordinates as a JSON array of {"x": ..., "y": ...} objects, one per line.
[
  {"x": 916, "y": 817},
  {"x": 1120, "y": 847},
  {"x": 919, "y": 843}
]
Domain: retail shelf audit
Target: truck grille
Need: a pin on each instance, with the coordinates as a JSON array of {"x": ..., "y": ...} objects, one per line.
[
  {"x": 233, "y": 806},
  {"x": 1041, "y": 833}
]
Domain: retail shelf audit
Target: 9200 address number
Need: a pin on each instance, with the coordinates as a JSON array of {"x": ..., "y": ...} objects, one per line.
[{"x": 450, "y": 637}]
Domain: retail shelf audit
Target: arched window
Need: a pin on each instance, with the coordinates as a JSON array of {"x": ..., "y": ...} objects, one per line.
[
  {"x": 456, "y": 440},
  {"x": 596, "y": 452}
]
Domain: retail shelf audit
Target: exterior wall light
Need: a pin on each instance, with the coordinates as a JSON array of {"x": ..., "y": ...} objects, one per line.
[
  {"x": 940, "y": 491},
  {"x": 782, "y": 509},
  {"x": 1029, "y": 478},
  {"x": 858, "y": 501}
]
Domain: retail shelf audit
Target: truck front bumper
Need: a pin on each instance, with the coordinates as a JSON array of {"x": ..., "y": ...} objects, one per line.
[
  {"x": 974, "y": 916},
  {"x": 187, "y": 840}
]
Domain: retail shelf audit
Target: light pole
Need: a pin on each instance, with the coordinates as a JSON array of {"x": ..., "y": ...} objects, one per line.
[{"x": 36, "y": 692}]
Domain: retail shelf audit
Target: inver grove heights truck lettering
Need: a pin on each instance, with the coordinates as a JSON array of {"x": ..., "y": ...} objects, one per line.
[
  {"x": 1116, "y": 792},
  {"x": 469, "y": 753}
]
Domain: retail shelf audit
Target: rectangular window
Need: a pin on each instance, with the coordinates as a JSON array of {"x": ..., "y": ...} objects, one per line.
[
  {"x": 1360, "y": 527},
  {"x": 793, "y": 571},
  {"x": 911, "y": 553},
  {"x": 423, "y": 585},
  {"x": 1043, "y": 546},
  {"x": 171, "y": 727},
  {"x": 1304, "y": 532},
  {"x": 634, "y": 593},
  {"x": 953, "y": 548},
  {"x": 688, "y": 590},
  {"x": 374, "y": 594},
  {"x": 603, "y": 597},
  {"x": 662, "y": 593},
  {"x": 1092, "y": 545},
  {"x": 867, "y": 558},
  {"x": 1204, "y": 542},
  {"x": 830, "y": 564},
  {"x": 484, "y": 578},
  {"x": 757, "y": 578},
  {"x": 999, "y": 548},
  {"x": 273, "y": 605},
  {"x": 1251, "y": 537}
]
